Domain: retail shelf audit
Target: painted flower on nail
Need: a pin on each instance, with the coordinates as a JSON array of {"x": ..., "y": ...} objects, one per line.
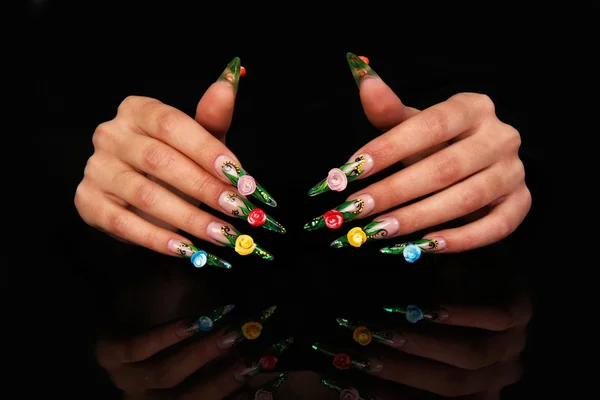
[
  {"x": 337, "y": 180},
  {"x": 262, "y": 394},
  {"x": 251, "y": 330},
  {"x": 205, "y": 324},
  {"x": 362, "y": 335},
  {"x": 342, "y": 361},
  {"x": 414, "y": 314},
  {"x": 412, "y": 253},
  {"x": 199, "y": 259},
  {"x": 333, "y": 219},
  {"x": 246, "y": 185},
  {"x": 257, "y": 217},
  {"x": 356, "y": 237},
  {"x": 268, "y": 362},
  {"x": 349, "y": 394},
  {"x": 244, "y": 245}
]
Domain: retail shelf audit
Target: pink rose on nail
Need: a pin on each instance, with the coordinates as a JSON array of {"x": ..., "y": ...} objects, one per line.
[
  {"x": 246, "y": 185},
  {"x": 349, "y": 394},
  {"x": 337, "y": 180},
  {"x": 263, "y": 395}
]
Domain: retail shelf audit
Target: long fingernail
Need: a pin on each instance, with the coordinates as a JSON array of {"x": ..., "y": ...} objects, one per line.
[
  {"x": 378, "y": 229},
  {"x": 230, "y": 237},
  {"x": 266, "y": 391},
  {"x": 363, "y": 335},
  {"x": 240, "y": 207},
  {"x": 231, "y": 74},
  {"x": 199, "y": 258},
  {"x": 347, "y": 211},
  {"x": 415, "y": 314},
  {"x": 346, "y": 392},
  {"x": 205, "y": 323},
  {"x": 338, "y": 178},
  {"x": 412, "y": 250},
  {"x": 245, "y": 183},
  {"x": 344, "y": 361},
  {"x": 250, "y": 330},
  {"x": 267, "y": 362},
  {"x": 360, "y": 68}
]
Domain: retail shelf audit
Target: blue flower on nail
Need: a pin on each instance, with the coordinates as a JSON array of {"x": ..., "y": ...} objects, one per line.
[
  {"x": 411, "y": 253},
  {"x": 199, "y": 259},
  {"x": 414, "y": 314},
  {"x": 205, "y": 324}
]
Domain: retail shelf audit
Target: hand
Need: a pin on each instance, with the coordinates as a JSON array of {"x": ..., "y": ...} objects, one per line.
[
  {"x": 152, "y": 165},
  {"x": 459, "y": 157}
]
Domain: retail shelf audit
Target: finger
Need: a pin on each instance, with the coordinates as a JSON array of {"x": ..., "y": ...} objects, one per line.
[
  {"x": 181, "y": 132},
  {"x": 215, "y": 109},
  {"x": 218, "y": 387},
  {"x": 420, "y": 132}
]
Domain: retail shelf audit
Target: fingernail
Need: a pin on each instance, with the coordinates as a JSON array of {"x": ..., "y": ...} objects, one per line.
[
  {"x": 230, "y": 339},
  {"x": 338, "y": 178},
  {"x": 415, "y": 314},
  {"x": 266, "y": 391},
  {"x": 245, "y": 183},
  {"x": 376, "y": 230},
  {"x": 346, "y": 393},
  {"x": 412, "y": 250},
  {"x": 230, "y": 237},
  {"x": 205, "y": 323},
  {"x": 343, "y": 361},
  {"x": 267, "y": 362},
  {"x": 240, "y": 207},
  {"x": 199, "y": 258},
  {"x": 360, "y": 68},
  {"x": 333, "y": 219},
  {"x": 249, "y": 330},
  {"x": 231, "y": 74},
  {"x": 363, "y": 335}
]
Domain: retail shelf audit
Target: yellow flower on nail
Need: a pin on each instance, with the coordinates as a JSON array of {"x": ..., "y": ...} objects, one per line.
[
  {"x": 251, "y": 330},
  {"x": 362, "y": 335},
  {"x": 244, "y": 245},
  {"x": 356, "y": 237}
]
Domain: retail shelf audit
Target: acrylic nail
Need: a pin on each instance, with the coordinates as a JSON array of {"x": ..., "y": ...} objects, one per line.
[
  {"x": 267, "y": 362},
  {"x": 360, "y": 68},
  {"x": 266, "y": 391},
  {"x": 250, "y": 330},
  {"x": 380, "y": 228},
  {"x": 338, "y": 178},
  {"x": 199, "y": 258},
  {"x": 245, "y": 183},
  {"x": 346, "y": 392},
  {"x": 231, "y": 237},
  {"x": 205, "y": 323},
  {"x": 333, "y": 219},
  {"x": 415, "y": 313},
  {"x": 363, "y": 335},
  {"x": 240, "y": 207},
  {"x": 231, "y": 74},
  {"x": 412, "y": 250},
  {"x": 343, "y": 361}
]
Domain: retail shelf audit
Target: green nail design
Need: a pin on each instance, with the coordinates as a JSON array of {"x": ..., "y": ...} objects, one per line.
[
  {"x": 200, "y": 257},
  {"x": 360, "y": 69},
  {"x": 345, "y": 392},
  {"x": 242, "y": 208},
  {"x": 206, "y": 323},
  {"x": 231, "y": 74},
  {"x": 378, "y": 229},
  {"x": 347, "y": 211},
  {"x": 242, "y": 244},
  {"x": 338, "y": 178},
  {"x": 245, "y": 183}
]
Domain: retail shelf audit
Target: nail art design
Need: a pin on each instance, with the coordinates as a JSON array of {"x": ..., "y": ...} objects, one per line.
[
  {"x": 347, "y": 211},
  {"x": 199, "y": 258},
  {"x": 230, "y": 237},
  {"x": 206, "y": 322},
  {"x": 343, "y": 361},
  {"x": 338, "y": 178},
  {"x": 267, "y": 362},
  {"x": 346, "y": 393},
  {"x": 378, "y": 229},
  {"x": 360, "y": 69},
  {"x": 242, "y": 208},
  {"x": 363, "y": 335},
  {"x": 249, "y": 330},
  {"x": 245, "y": 183},
  {"x": 231, "y": 74},
  {"x": 268, "y": 389},
  {"x": 412, "y": 250},
  {"x": 414, "y": 314}
]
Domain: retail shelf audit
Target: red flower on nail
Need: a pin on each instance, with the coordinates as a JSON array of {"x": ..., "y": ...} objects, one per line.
[
  {"x": 257, "y": 217},
  {"x": 333, "y": 219},
  {"x": 342, "y": 361},
  {"x": 267, "y": 363}
]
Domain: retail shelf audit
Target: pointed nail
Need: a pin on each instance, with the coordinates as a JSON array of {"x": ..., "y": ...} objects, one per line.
[
  {"x": 343, "y": 361},
  {"x": 381, "y": 228},
  {"x": 338, "y": 178},
  {"x": 245, "y": 183},
  {"x": 267, "y": 362},
  {"x": 199, "y": 258},
  {"x": 363, "y": 335},
  {"x": 240, "y": 207},
  {"x": 412, "y": 250},
  {"x": 359, "y": 68},
  {"x": 347, "y": 211},
  {"x": 415, "y": 314},
  {"x": 205, "y": 323},
  {"x": 231, "y": 74},
  {"x": 231, "y": 237}
]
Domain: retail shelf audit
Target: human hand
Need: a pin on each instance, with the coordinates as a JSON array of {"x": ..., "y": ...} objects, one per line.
[
  {"x": 457, "y": 153},
  {"x": 152, "y": 165}
]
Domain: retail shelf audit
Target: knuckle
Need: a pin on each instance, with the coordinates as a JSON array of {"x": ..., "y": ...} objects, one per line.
[
  {"x": 436, "y": 124},
  {"x": 457, "y": 383},
  {"x": 474, "y": 198},
  {"x": 130, "y": 103},
  {"x": 103, "y": 134},
  {"x": 167, "y": 119},
  {"x": 481, "y": 354},
  {"x": 145, "y": 195},
  {"x": 447, "y": 169},
  {"x": 163, "y": 378},
  {"x": 478, "y": 101},
  {"x": 116, "y": 224},
  {"x": 503, "y": 228},
  {"x": 510, "y": 138},
  {"x": 156, "y": 158},
  {"x": 193, "y": 221},
  {"x": 207, "y": 188}
]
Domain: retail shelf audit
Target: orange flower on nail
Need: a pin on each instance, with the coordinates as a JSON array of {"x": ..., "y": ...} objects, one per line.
[
  {"x": 362, "y": 335},
  {"x": 251, "y": 330}
]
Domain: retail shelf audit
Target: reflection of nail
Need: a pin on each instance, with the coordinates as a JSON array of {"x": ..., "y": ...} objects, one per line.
[
  {"x": 240, "y": 207},
  {"x": 338, "y": 178},
  {"x": 363, "y": 335},
  {"x": 230, "y": 339},
  {"x": 231, "y": 74},
  {"x": 231, "y": 237},
  {"x": 205, "y": 323},
  {"x": 344, "y": 361},
  {"x": 412, "y": 250},
  {"x": 199, "y": 258},
  {"x": 333, "y": 219},
  {"x": 245, "y": 183},
  {"x": 244, "y": 373},
  {"x": 265, "y": 392},
  {"x": 378, "y": 229},
  {"x": 414, "y": 313},
  {"x": 359, "y": 66}
]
